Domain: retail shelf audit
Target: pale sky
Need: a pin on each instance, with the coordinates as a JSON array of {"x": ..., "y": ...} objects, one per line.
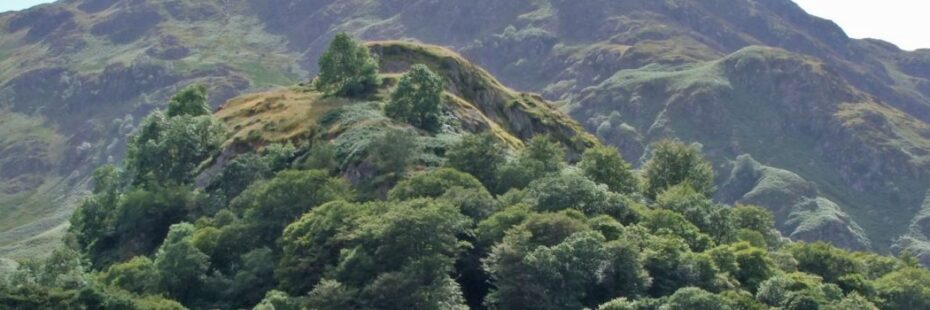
[
  {"x": 903, "y": 22},
  {"x": 9, "y": 5}
]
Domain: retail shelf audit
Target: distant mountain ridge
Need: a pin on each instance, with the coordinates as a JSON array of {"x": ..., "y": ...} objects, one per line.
[{"x": 847, "y": 117}]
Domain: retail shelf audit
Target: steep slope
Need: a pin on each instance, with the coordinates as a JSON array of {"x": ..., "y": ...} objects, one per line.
[
  {"x": 788, "y": 111},
  {"x": 474, "y": 101},
  {"x": 799, "y": 209},
  {"x": 916, "y": 239},
  {"x": 87, "y": 69}
]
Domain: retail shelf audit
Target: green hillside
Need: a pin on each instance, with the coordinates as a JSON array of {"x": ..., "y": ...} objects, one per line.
[
  {"x": 786, "y": 110},
  {"x": 418, "y": 181},
  {"x": 756, "y": 77}
]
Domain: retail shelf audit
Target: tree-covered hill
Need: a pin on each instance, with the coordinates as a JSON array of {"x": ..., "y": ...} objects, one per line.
[
  {"x": 837, "y": 126},
  {"x": 426, "y": 184}
]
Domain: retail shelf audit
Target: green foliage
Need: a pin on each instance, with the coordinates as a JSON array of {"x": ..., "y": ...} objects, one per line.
[
  {"x": 607, "y": 226},
  {"x": 433, "y": 184},
  {"x": 190, "y": 101},
  {"x": 312, "y": 244},
  {"x": 692, "y": 298},
  {"x": 673, "y": 163},
  {"x": 137, "y": 275},
  {"x": 748, "y": 264},
  {"x": 289, "y": 195},
  {"x": 560, "y": 237},
  {"x": 155, "y": 303},
  {"x": 852, "y": 302},
  {"x": 331, "y": 295},
  {"x": 60, "y": 282},
  {"x": 169, "y": 149},
  {"x": 278, "y": 156},
  {"x": 755, "y": 219},
  {"x": 479, "y": 155},
  {"x": 246, "y": 169},
  {"x": 621, "y": 303},
  {"x": 774, "y": 291},
  {"x": 181, "y": 265},
  {"x": 742, "y": 300},
  {"x": 538, "y": 278},
  {"x": 672, "y": 266},
  {"x": 277, "y": 300},
  {"x": 255, "y": 276},
  {"x": 417, "y": 99},
  {"x": 111, "y": 226},
  {"x": 89, "y": 224},
  {"x": 493, "y": 229},
  {"x": 347, "y": 68},
  {"x": 572, "y": 191},
  {"x": 604, "y": 165},
  {"x": 413, "y": 246},
  {"x": 826, "y": 261},
  {"x": 393, "y": 152},
  {"x": 541, "y": 156},
  {"x": 238, "y": 174},
  {"x": 712, "y": 219},
  {"x": 664, "y": 222},
  {"x": 476, "y": 203},
  {"x": 906, "y": 288},
  {"x": 783, "y": 290},
  {"x": 398, "y": 254},
  {"x": 322, "y": 156}
]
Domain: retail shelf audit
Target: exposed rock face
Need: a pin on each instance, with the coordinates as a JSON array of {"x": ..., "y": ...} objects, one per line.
[
  {"x": 800, "y": 212},
  {"x": 917, "y": 240},
  {"x": 128, "y": 25},
  {"x": 787, "y": 110},
  {"x": 848, "y": 115},
  {"x": 524, "y": 115}
]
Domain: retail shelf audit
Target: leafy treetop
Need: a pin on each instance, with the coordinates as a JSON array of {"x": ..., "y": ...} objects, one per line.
[{"x": 347, "y": 68}]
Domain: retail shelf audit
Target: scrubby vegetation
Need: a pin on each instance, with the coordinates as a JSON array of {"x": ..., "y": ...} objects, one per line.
[{"x": 374, "y": 213}]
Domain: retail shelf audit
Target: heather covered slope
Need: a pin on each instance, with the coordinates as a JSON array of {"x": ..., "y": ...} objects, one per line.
[{"x": 849, "y": 115}]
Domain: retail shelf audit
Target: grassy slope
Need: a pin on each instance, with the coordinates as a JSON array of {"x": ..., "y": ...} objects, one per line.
[
  {"x": 788, "y": 112},
  {"x": 36, "y": 197},
  {"x": 474, "y": 100}
]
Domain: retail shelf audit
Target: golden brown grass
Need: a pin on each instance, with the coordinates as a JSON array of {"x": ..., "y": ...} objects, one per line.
[{"x": 277, "y": 115}]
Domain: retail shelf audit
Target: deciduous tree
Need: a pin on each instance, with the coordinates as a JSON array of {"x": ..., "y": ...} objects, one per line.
[
  {"x": 674, "y": 163},
  {"x": 347, "y": 68},
  {"x": 417, "y": 99}
]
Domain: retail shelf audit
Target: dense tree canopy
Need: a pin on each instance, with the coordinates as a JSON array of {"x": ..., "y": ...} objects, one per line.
[
  {"x": 674, "y": 163},
  {"x": 604, "y": 165},
  {"x": 439, "y": 239},
  {"x": 541, "y": 156},
  {"x": 479, "y": 155}
]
